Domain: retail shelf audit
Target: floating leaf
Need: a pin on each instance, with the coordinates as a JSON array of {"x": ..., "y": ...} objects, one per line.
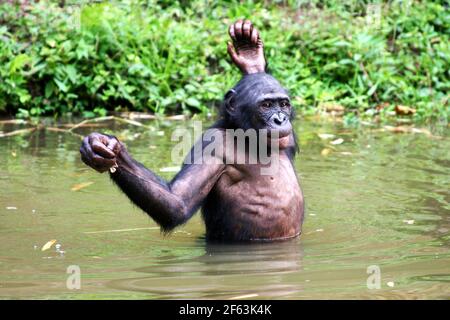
[
  {"x": 80, "y": 186},
  {"x": 337, "y": 141},
  {"x": 405, "y": 129},
  {"x": 48, "y": 245},
  {"x": 398, "y": 129},
  {"x": 421, "y": 130},
  {"x": 244, "y": 296},
  {"x": 326, "y": 136},
  {"x": 404, "y": 110}
]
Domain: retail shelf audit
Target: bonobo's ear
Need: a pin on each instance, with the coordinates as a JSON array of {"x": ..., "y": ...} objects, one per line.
[{"x": 229, "y": 102}]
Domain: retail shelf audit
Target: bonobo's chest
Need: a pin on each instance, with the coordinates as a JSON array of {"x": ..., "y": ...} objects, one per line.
[{"x": 257, "y": 203}]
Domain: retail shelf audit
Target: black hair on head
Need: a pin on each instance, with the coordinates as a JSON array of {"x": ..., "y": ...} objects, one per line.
[{"x": 246, "y": 93}]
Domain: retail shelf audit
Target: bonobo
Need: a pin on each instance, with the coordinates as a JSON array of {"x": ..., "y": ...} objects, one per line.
[{"x": 239, "y": 201}]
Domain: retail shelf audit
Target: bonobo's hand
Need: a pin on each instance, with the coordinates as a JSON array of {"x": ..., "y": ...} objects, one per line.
[
  {"x": 247, "y": 50},
  {"x": 99, "y": 151}
]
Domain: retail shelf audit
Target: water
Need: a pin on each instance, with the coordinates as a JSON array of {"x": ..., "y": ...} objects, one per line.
[{"x": 378, "y": 199}]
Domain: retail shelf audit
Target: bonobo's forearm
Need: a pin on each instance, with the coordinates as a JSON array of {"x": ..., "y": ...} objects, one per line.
[
  {"x": 169, "y": 204},
  {"x": 149, "y": 192}
]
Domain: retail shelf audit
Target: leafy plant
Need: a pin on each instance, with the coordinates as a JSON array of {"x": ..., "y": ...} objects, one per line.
[{"x": 170, "y": 56}]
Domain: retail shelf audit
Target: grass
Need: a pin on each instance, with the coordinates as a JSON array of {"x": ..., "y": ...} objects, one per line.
[{"x": 363, "y": 58}]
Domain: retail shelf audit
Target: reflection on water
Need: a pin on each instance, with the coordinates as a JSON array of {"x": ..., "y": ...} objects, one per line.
[
  {"x": 221, "y": 270},
  {"x": 377, "y": 199}
]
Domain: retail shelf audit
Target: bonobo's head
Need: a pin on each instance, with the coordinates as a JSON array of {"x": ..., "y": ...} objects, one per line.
[{"x": 258, "y": 101}]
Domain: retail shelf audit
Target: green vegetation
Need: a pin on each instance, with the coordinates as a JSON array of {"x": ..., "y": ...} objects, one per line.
[{"x": 170, "y": 56}]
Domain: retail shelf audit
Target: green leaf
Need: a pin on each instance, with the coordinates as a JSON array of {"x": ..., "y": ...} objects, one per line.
[
  {"x": 49, "y": 89},
  {"x": 18, "y": 63},
  {"x": 61, "y": 85},
  {"x": 372, "y": 89},
  {"x": 193, "y": 102}
]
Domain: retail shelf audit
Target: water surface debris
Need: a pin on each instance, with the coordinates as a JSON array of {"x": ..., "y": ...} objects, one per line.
[
  {"x": 326, "y": 136},
  {"x": 407, "y": 129},
  {"x": 16, "y": 132},
  {"x": 390, "y": 284},
  {"x": 244, "y": 296},
  {"x": 80, "y": 186},
  {"x": 11, "y": 208},
  {"x": 408, "y": 221},
  {"x": 48, "y": 245},
  {"x": 120, "y": 230},
  {"x": 337, "y": 141},
  {"x": 404, "y": 110}
]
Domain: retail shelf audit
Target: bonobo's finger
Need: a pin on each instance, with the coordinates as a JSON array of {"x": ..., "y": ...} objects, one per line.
[
  {"x": 238, "y": 29},
  {"x": 232, "y": 33},
  {"x": 86, "y": 152},
  {"x": 102, "y": 150},
  {"x": 97, "y": 136},
  {"x": 254, "y": 36},
  {"x": 114, "y": 145},
  {"x": 101, "y": 164},
  {"x": 246, "y": 29},
  {"x": 92, "y": 165},
  {"x": 92, "y": 159},
  {"x": 85, "y": 148},
  {"x": 232, "y": 52}
]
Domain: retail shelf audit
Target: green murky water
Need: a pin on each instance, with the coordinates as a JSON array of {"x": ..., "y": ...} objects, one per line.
[{"x": 378, "y": 198}]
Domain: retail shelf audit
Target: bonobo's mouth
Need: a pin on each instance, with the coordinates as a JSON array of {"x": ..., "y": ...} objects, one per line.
[{"x": 281, "y": 136}]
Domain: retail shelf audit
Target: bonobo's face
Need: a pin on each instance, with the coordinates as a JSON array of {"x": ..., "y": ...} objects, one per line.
[
  {"x": 258, "y": 102},
  {"x": 273, "y": 112}
]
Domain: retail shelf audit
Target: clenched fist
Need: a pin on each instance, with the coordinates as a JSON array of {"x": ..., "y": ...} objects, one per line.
[{"x": 99, "y": 151}]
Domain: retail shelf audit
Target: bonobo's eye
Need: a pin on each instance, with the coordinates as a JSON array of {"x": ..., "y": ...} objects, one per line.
[
  {"x": 265, "y": 105},
  {"x": 285, "y": 104}
]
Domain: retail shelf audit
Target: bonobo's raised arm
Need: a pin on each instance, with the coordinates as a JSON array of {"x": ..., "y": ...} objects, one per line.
[
  {"x": 169, "y": 204},
  {"x": 246, "y": 49}
]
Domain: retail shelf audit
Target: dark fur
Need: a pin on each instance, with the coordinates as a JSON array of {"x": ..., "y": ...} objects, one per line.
[
  {"x": 236, "y": 112},
  {"x": 172, "y": 204}
]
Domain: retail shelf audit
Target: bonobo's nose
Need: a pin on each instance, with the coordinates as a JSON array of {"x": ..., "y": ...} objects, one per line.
[{"x": 280, "y": 118}]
